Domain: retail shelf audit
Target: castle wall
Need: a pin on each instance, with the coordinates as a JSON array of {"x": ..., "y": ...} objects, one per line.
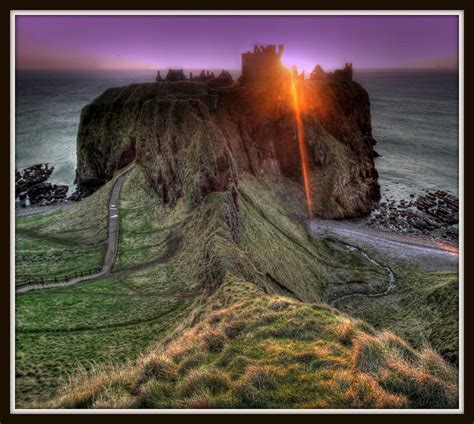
[{"x": 263, "y": 63}]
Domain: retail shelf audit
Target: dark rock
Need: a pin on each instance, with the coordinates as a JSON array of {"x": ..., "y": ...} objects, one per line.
[
  {"x": 224, "y": 79},
  {"x": 31, "y": 185},
  {"x": 434, "y": 215},
  {"x": 47, "y": 193},
  {"x": 175, "y": 75},
  {"x": 28, "y": 177}
]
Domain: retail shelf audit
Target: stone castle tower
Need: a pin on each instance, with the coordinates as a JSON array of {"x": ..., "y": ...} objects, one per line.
[{"x": 263, "y": 63}]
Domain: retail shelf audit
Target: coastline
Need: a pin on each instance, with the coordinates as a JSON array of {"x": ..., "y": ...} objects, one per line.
[{"x": 419, "y": 249}]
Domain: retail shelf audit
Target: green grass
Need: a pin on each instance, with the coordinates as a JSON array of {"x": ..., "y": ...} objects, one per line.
[
  {"x": 423, "y": 310},
  {"x": 72, "y": 239},
  {"x": 107, "y": 320},
  {"x": 145, "y": 224},
  {"x": 279, "y": 245}
]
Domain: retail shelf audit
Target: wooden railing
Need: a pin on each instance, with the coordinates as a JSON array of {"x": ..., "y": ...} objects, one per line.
[{"x": 61, "y": 279}]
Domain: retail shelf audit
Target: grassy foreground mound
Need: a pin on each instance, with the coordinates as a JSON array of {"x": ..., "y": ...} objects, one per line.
[{"x": 251, "y": 350}]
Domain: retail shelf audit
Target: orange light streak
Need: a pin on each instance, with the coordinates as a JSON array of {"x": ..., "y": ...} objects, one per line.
[
  {"x": 448, "y": 248},
  {"x": 301, "y": 143}
]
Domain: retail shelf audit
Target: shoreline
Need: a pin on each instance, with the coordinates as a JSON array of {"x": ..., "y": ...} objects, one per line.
[{"x": 430, "y": 255}]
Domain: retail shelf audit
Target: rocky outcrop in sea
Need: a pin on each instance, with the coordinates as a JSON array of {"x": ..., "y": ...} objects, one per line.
[
  {"x": 32, "y": 188},
  {"x": 434, "y": 213}
]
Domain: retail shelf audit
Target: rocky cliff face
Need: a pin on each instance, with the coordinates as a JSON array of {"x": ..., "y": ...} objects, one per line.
[{"x": 191, "y": 140}]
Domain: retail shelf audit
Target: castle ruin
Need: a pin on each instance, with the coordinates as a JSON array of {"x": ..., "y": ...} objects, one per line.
[
  {"x": 341, "y": 75},
  {"x": 263, "y": 63}
]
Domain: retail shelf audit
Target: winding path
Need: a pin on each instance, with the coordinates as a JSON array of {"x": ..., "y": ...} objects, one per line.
[
  {"x": 112, "y": 244},
  {"x": 342, "y": 233},
  {"x": 391, "y": 281}
]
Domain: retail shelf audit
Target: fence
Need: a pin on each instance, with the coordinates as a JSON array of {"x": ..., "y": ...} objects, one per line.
[{"x": 62, "y": 279}]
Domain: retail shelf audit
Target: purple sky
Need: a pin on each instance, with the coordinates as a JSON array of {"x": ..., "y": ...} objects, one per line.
[{"x": 143, "y": 42}]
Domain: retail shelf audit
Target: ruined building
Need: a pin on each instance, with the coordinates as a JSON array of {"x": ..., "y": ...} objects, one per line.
[
  {"x": 263, "y": 63},
  {"x": 175, "y": 75},
  {"x": 340, "y": 75}
]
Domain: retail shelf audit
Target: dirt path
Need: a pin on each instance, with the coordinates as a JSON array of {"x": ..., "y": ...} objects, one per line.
[{"x": 112, "y": 244}]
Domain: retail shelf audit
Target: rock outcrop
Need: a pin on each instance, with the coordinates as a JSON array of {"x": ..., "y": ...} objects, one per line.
[
  {"x": 192, "y": 139},
  {"x": 31, "y": 185}
]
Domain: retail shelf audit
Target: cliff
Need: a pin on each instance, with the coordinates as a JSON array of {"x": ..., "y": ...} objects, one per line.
[{"x": 191, "y": 139}]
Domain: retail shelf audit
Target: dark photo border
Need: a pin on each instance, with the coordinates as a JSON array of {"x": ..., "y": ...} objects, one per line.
[{"x": 7, "y": 417}]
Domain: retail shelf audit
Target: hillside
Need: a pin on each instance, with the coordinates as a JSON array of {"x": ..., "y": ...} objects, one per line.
[{"x": 219, "y": 296}]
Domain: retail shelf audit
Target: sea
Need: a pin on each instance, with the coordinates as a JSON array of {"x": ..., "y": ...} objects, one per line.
[{"x": 415, "y": 120}]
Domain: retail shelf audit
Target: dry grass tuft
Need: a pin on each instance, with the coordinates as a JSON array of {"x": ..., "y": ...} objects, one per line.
[
  {"x": 181, "y": 346},
  {"x": 256, "y": 383},
  {"x": 397, "y": 345},
  {"x": 160, "y": 366},
  {"x": 361, "y": 390},
  {"x": 86, "y": 385},
  {"x": 424, "y": 378},
  {"x": 210, "y": 379},
  {"x": 344, "y": 330},
  {"x": 369, "y": 353},
  {"x": 423, "y": 389},
  {"x": 434, "y": 363},
  {"x": 212, "y": 339},
  {"x": 202, "y": 399},
  {"x": 114, "y": 398},
  {"x": 279, "y": 304}
]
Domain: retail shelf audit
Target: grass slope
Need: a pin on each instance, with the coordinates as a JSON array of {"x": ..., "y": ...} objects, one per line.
[
  {"x": 65, "y": 241},
  {"x": 199, "y": 292},
  {"x": 424, "y": 310},
  {"x": 250, "y": 350},
  {"x": 107, "y": 320}
]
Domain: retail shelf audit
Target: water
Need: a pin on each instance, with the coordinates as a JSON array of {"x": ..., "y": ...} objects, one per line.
[{"x": 414, "y": 119}]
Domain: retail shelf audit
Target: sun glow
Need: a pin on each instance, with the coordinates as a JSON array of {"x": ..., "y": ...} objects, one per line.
[{"x": 301, "y": 140}]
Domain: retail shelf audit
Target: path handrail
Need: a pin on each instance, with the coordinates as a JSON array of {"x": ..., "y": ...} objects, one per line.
[{"x": 58, "y": 279}]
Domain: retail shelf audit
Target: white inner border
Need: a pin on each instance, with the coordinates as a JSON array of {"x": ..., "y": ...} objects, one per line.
[{"x": 458, "y": 13}]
